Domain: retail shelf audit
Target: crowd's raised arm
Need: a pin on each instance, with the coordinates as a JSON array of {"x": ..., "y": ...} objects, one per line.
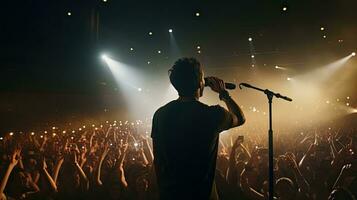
[{"x": 116, "y": 162}]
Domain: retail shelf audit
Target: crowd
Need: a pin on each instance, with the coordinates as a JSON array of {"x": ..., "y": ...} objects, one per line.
[{"x": 114, "y": 161}]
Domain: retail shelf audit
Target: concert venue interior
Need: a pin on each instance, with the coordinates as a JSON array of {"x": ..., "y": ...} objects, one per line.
[{"x": 81, "y": 80}]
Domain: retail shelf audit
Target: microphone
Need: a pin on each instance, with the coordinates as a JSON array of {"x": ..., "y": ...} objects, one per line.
[{"x": 229, "y": 86}]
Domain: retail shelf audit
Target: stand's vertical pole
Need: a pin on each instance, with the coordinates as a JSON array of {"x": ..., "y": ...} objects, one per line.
[{"x": 271, "y": 152}]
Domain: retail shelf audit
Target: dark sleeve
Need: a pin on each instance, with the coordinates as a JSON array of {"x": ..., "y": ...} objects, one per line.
[
  {"x": 221, "y": 118},
  {"x": 154, "y": 125}
]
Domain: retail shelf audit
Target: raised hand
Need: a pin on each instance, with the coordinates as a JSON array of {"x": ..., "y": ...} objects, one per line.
[
  {"x": 15, "y": 157},
  {"x": 216, "y": 84}
]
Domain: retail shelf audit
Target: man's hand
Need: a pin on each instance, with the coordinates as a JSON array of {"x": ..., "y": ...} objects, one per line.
[{"x": 215, "y": 84}]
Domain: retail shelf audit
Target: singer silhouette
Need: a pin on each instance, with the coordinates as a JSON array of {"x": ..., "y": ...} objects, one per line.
[{"x": 185, "y": 134}]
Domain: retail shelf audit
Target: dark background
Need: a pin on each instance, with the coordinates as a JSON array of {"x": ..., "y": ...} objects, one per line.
[{"x": 50, "y": 66}]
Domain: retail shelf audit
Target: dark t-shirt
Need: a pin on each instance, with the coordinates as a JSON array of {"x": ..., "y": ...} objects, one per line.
[{"x": 185, "y": 140}]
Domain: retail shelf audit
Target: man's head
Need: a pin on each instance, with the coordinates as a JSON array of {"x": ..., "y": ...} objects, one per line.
[{"x": 186, "y": 75}]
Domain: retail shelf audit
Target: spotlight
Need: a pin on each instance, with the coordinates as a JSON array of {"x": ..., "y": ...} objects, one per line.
[
  {"x": 353, "y": 54},
  {"x": 324, "y": 36},
  {"x": 140, "y": 89},
  {"x": 149, "y": 62},
  {"x": 197, "y": 14},
  {"x": 199, "y": 51},
  {"x": 11, "y": 133},
  {"x": 150, "y": 33},
  {"x": 198, "y": 47},
  {"x": 322, "y": 28},
  {"x": 170, "y": 30},
  {"x": 288, "y": 78},
  {"x": 347, "y": 104},
  {"x": 131, "y": 49},
  {"x": 104, "y": 57},
  {"x": 276, "y": 67},
  {"x": 105, "y": 1},
  {"x": 250, "y": 39},
  {"x": 158, "y": 51},
  {"x": 69, "y": 13},
  {"x": 32, "y": 133},
  {"x": 285, "y": 8},
  {"x": 252, "y": 56}
]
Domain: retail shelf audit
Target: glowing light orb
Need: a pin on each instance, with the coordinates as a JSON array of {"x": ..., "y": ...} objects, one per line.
[
  {"x": 250, "y": 39},
  {"x": 353, "y": 53},
  {"x": 170, "y": 30},
  {"x": 69, "y": 13}
]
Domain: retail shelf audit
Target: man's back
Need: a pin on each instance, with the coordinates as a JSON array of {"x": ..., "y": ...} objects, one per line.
[{"x": 185, "y": 137}]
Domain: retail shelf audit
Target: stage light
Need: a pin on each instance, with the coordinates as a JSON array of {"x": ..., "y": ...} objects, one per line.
[
  {"x": 353, "y": 54},
  {"x": 45, "y": 132},
  {"x": 199, "y": 51},
  {"x": 198, "y": 47},
  {"x": 285, "y": 8},
  {"x": 170, "y": 30},
  {"x": 324, "y": 36},
  {"x": 288, "y": 78},
  {"x": 322, "y": 28},
  {"x": 250, "y": 39},
  {"x": 63, "y": 131},
  {"x": 150, "y": 33},
  {"x": 197, "y": 14},
  {"x": 149, "y": 62},
  {"x": 41, "y": 136},
  {"x": 32, "y": 133},
  {"x": 131, "y": 49},
  {"x": 104, "y": 57},
  {"x": 347, "y": 97},
  {"x": 327, "y": 101},
  {"x": 140, "y": 89},
  {"x": 53, "y": 134},
  {"x": 253, "y": 65},
  {"x": 69, "y": 13},
  {"x": 158, "y": 51},
  {"x": 276, "y": 67},
  {"x": 252, "y": 56},
  {"x": 11, "y": 133}
]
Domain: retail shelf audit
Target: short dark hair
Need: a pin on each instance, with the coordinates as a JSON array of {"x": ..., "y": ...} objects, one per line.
[{"x": 185, "y": 76}]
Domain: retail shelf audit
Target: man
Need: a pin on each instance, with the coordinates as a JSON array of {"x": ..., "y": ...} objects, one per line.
[{"x": 185, "y": 133}]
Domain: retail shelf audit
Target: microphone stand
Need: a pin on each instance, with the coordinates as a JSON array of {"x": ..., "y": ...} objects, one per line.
[{"x": 270, "y": 94}]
